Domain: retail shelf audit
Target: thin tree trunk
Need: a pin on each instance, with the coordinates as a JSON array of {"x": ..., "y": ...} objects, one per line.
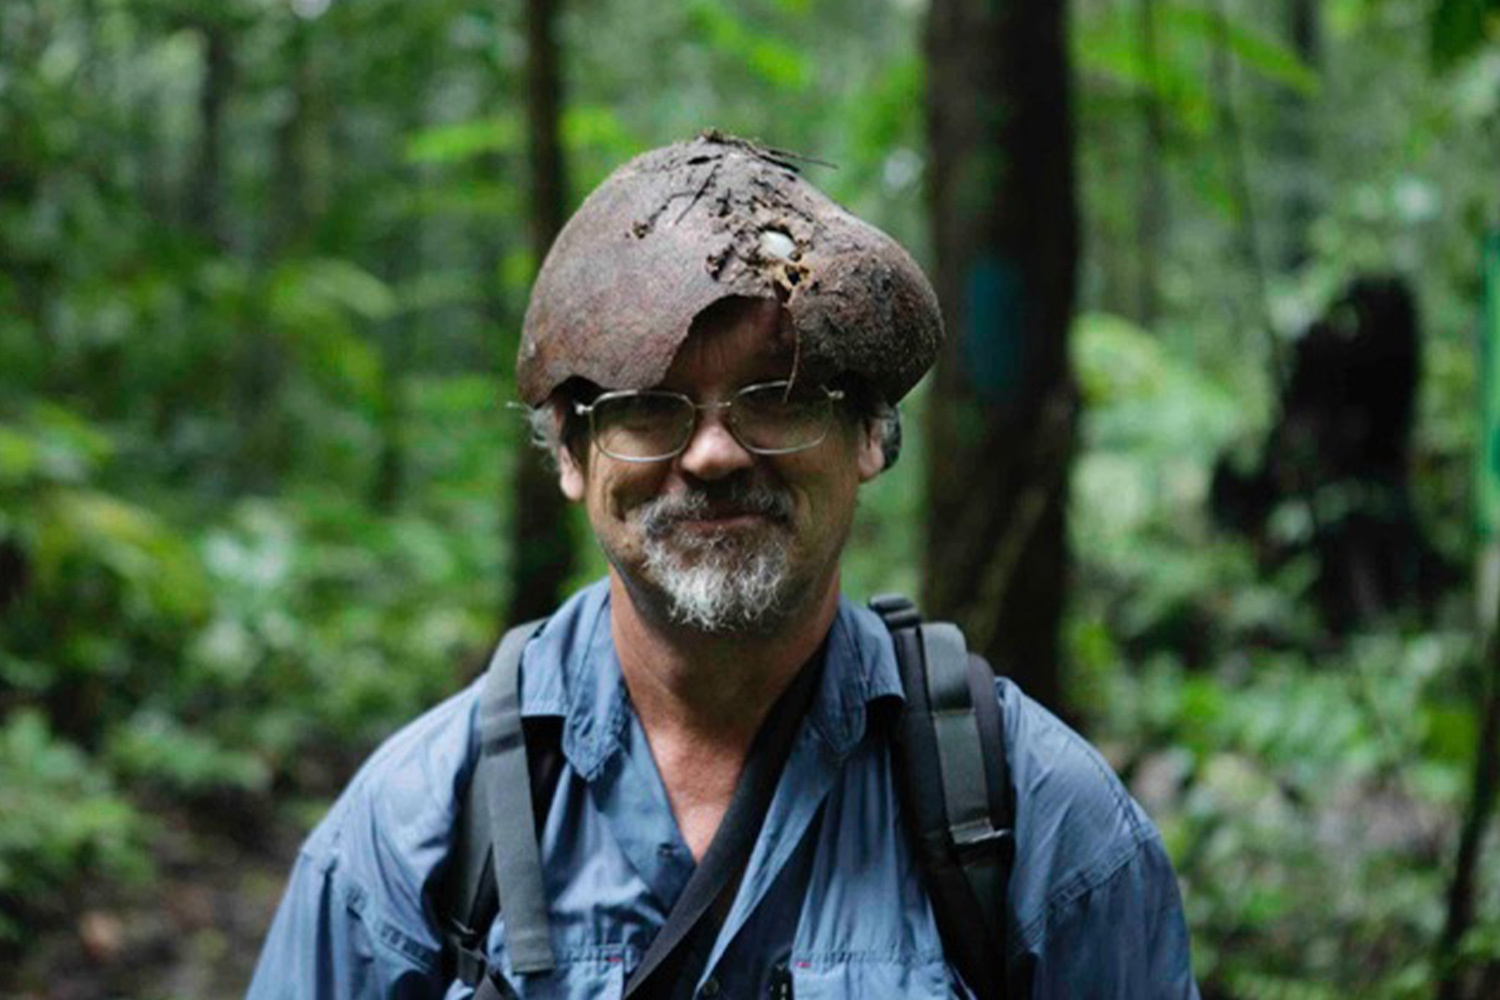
[
  {"x": 1464, "y": 888},
  {"x": 264, "y": 361},
  {"x": 205, "y": 193},
  {"x": 1298, "y": 140},
  {"x": 1465, "y": 885},
  {"x": 1151, "y": 217},
  {"x": 542, "y": 551},
  {"x": 1239, "y": 179},
  {"x": 301, "y": 155},
  {"x": 1002, "y": 411},
  {"x": 405, "y": 256}
]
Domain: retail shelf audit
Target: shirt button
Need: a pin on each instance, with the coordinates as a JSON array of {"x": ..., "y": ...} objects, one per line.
[{"x": 710, "y": 988}]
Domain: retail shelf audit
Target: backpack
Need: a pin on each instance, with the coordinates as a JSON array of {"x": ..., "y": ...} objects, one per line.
[{"x": 952, "y": 779}]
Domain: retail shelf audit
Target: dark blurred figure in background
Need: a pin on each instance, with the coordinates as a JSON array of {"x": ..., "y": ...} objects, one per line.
[{"x": 1336, "y": 461}]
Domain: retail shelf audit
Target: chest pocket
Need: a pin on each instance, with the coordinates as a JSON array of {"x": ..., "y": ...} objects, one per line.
[
  {"x": 596, "y": 977},
  {"x": 885, "y": 977}
]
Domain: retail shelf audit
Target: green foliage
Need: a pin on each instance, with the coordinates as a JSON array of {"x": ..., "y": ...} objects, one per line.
[
  {"x": 254, "y": 467},
  {"x": 1460, "y": 27},
  {"x": 1110, "y": 45},
  {"x": 330, "y": 624},
  {"x": 463, "y": 140},
  {"x": 1306, "y": 790},
  {"x": 1270, "y": 58},
  {"x": 62, "y": 816},
  {"x": 314, "y": 306},
  {"x": 1306, "y": 830},
  {"x": 90, "y": 556},
  {"x": 154, "y": 747}
]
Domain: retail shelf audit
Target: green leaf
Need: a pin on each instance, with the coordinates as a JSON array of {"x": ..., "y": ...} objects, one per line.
[
  {"x": 464, "y": 140},
  {"x": 346, "y": 284},
  {"x": 20, "y": 457},
  {"x": 1452, "y": 732},
  {"x": 1108, "y": 47},
  {"x": 1460, "y": 27},
  {"x": 156, "y": 747},
  {"x": 313, "y": 302},
  {"x": 778, "y": 64},
  {"x": 596, "y": 127},
  {"x": 60, "y": 819},
  {"x": 1268, "y": 57},
  {"x": 1139, "y": 394},
  {"x": 154, "y": 564},
  {"x": 69, "y": 447},
  {"x": 467, "y": 200},
  {"x": 782, "y": 65},
  {"x": 885, "y": 115}
]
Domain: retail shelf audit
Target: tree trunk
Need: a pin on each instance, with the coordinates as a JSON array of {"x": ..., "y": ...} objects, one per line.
[
  {"x": 542, "y": 551},
  {"x": 302, "y": 157},
  {"x": 205, "y": 186},
  {"x": 1464, "y": 889},
  {"x": 1298, "y": 140},
  {"x": 1002, "y": 412},
  {"x": 404, "y": 257},
  {"x": 1151, "y": 214},
  {"x": 1232, "y": 138}
]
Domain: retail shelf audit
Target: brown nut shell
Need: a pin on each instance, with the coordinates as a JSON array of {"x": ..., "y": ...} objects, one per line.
[{"x": 679, "y": 228}]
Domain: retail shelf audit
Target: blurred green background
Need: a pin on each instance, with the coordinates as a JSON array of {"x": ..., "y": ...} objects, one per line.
[{"x": 262, "y": 269}]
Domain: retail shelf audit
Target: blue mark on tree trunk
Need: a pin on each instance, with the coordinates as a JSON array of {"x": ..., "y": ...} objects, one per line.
[{"x": 992, "y": 348}]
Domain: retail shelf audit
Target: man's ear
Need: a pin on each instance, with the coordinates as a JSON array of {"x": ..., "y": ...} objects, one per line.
[
  {"x": 871, "y": 445},
  {"x": 569, "y": 474}
]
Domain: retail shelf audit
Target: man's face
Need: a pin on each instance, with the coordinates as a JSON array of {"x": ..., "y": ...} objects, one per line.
[{"x": 717, "y": 538}]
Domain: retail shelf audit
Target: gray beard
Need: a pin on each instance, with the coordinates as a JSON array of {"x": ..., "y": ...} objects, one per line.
[{"x": 723, "y": 582}]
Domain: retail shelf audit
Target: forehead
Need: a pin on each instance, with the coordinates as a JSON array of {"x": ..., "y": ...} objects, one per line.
[{"x": 735, "y": 340}]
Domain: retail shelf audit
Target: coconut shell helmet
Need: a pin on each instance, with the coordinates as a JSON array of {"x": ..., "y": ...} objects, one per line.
[{"x": 680, "y": 228}]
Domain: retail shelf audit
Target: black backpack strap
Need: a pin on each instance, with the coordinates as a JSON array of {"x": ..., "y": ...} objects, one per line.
[
  {"x": 950, "y": 763},
  {"x": 506, "y": 796}
]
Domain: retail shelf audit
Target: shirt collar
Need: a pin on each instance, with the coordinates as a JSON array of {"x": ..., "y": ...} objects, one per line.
[
  {"x": 861, "y": 670},
  {"x": 571, "y": 673}
]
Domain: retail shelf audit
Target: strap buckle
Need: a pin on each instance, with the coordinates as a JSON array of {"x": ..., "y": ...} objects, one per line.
[
  {"x": 990, "y": 845},
  {"x": 896, "y": 611}
]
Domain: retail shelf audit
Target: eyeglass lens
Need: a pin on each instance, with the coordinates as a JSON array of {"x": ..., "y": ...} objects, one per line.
[
  {"x": 778, "y": 418},
  {"x": 643, "y": 425},
  {"x": 771, "y": 418}
]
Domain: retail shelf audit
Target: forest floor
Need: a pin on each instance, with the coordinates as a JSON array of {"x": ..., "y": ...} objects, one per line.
[{"x": 192, "y": 931}]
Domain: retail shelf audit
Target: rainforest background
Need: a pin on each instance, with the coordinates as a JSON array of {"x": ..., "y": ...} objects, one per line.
[{"x": 1210, "y": 462}]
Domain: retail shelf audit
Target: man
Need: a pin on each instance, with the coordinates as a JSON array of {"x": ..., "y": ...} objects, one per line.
[{"x": 713, "y": 349}]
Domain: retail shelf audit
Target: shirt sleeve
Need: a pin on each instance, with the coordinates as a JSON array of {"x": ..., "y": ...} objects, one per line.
[
  {"x": 1122, "y": 939},
  {"x": 355, "y": 920},
  {"x": 325, "y": 944},
  {"x": 1098, "y": 911}
]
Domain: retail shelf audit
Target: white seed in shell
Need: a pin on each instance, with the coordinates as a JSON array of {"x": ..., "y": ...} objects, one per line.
[{"x": 775, "y": 243}]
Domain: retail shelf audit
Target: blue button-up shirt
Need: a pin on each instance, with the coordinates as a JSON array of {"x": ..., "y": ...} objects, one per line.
[{"x": 831, "y": 893}]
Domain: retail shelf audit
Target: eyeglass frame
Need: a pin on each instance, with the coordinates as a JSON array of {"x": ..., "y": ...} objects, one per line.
[{"x": 587, "y": 410}]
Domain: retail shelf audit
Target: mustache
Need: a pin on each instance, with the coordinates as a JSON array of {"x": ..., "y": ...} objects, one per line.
[{"x": 720, "y": 499}]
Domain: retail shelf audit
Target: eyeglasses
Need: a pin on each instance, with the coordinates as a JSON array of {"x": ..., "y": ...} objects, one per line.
[{"x": 768, "y": 418}]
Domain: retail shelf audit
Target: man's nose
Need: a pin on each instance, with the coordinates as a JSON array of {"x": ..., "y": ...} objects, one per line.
[{"x": 713, "y": 452}]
